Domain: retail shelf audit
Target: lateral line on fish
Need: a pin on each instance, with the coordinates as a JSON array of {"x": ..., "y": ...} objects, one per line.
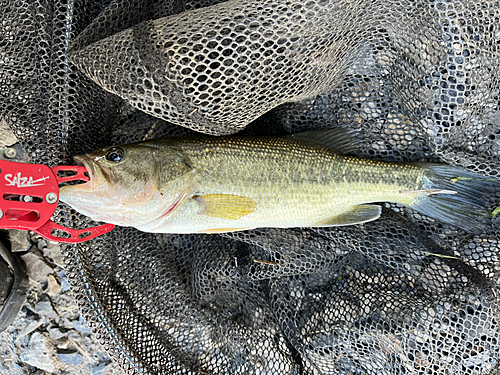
[{"x": 428, "y": 191}]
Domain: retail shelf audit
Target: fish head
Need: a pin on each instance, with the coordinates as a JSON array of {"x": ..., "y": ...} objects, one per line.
[{"x": 131, "y": 185}]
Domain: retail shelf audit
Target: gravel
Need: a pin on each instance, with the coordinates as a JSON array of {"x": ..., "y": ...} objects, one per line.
[
  {"x": 40, "y": 353},
  {"x": 49, "y": 336}
]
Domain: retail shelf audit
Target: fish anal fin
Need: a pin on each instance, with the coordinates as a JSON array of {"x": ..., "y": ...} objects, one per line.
[
  {"x": 225, "y": 206},
  {"x": 356, "y": 215}
]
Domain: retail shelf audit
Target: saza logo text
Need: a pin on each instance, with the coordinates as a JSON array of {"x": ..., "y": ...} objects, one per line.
[{"x": 21, "y": 182}]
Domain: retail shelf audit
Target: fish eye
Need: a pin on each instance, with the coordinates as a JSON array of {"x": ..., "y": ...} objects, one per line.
[{"x": 115, "y": 154}]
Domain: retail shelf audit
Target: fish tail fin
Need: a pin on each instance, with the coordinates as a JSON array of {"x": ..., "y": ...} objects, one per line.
[{"x": 457, "y": 197}]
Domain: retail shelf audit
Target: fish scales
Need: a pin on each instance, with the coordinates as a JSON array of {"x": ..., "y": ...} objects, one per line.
[{"x": 294, "y": 183}]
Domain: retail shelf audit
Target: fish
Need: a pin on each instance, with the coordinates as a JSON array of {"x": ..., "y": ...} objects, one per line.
[{"x": 207, "y": 184}]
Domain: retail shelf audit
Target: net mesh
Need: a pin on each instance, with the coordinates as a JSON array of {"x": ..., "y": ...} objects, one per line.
[{"x": 418, "y": 80}]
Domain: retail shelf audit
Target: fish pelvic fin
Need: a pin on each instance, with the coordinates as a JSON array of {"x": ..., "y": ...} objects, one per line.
[
  {"x": 225, "y": 206},
  {"x": 356, "y": 215},
  {"x": 457, "y": 197}
]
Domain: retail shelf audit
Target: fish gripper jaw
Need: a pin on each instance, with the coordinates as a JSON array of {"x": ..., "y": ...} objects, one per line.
[{"x": 29, "y": 194}]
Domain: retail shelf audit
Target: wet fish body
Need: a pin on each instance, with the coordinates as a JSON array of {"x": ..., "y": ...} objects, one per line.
[{"x": 220, "y": 184}]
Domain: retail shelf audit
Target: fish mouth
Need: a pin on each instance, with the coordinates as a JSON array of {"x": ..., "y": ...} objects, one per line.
[
  {"x": 98, "y": 176},
  {"x": 88, "y": 163},
  {"x": 85, "y": 161}
]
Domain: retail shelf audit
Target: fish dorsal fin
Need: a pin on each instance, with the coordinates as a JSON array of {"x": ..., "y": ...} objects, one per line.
[
  {"x": 225, "y": 206},
  {"x": 357, "y": 215},
  {"x": 340, "y": 140}
]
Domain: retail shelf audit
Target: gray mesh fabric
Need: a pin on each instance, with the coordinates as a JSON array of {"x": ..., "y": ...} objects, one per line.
[
  {"x": 418, "y": 80},
  {"x": 218, "y": 68}
]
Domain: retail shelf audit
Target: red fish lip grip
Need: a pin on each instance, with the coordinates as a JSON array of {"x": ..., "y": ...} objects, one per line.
[{"x": 29, "y": 194}]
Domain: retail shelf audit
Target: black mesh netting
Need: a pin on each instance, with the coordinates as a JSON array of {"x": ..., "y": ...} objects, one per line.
[{"x": 418, "y": 80}]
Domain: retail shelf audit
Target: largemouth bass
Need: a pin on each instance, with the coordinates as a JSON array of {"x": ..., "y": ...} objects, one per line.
[{"x": 221, "y": 184}]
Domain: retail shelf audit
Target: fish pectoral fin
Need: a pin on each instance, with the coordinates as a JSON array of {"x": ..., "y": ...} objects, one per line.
[
  {"x": 356, "y": 215},
  {"x": 225, "y": 206}
]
